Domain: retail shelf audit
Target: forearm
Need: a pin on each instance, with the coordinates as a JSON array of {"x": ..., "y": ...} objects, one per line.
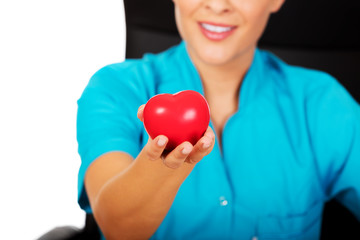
[{"x": 132, "y": 204}]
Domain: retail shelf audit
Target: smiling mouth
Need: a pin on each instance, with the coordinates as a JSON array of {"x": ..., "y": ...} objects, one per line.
[
  {"x": 216, "y": 28},
  {"x": 216, "y": 32}
]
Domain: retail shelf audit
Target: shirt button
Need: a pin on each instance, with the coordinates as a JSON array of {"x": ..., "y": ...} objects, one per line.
[{"x": 223, "y": 201}]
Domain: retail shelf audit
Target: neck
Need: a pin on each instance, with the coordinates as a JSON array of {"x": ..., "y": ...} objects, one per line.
[
  {"x": 222, "y": 84},
  {"x": 224, "y": 79}
]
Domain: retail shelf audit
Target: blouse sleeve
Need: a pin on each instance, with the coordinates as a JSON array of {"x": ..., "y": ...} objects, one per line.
[
  {"x": 334, "y": 126},
  {"x": 107, "y": 118}
]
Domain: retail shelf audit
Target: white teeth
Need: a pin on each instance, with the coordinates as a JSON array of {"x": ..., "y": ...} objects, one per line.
[{"x": 216, "y": 29}]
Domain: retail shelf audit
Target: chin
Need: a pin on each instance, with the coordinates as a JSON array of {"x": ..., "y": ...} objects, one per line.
[
  {"x": 213, "y": 55},
  {"x": 215, "y": 61}
]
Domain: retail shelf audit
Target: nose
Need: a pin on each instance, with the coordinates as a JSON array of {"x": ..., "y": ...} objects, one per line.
[{"x": 218, "y": 6}]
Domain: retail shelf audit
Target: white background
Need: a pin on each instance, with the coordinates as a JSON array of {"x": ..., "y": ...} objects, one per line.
[{"x": 48, "y": 51}]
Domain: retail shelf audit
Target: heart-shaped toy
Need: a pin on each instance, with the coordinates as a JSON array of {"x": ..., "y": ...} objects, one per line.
[{"x": 183, "y": 116}]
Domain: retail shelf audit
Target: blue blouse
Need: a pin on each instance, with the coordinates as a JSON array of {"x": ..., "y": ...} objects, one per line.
[{"x": 293, "y": 144}]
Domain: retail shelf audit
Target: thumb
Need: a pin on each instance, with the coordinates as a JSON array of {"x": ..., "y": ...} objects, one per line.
[{"x": 140, "y": 113}]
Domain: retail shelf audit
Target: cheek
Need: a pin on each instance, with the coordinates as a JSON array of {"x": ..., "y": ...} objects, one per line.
[
  {"x": 186, "y": 7},
  {"x": 255, "y": 15},
  {"x": 179, "y": 17},
  {"x": 184, "y": 14},
  {"x": 252, "y": 9}
]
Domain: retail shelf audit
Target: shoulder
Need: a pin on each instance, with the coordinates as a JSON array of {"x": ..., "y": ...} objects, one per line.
[
  {"x": 297, "y": 79},
  {"x": 117, "y": 75},
  {"x": 133, "y": 76},
  {"x": 326, "y": 106},
  {"x": 307, "y": 86},
  {"x": 331, "y": 114}
]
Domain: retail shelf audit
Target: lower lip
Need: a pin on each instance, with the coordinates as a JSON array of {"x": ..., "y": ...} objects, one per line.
[{"x": 214, "y": 36}]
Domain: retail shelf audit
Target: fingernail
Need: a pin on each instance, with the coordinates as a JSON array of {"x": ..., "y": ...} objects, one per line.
[
  {"x": 206, "y": 144},
  {"x": 186, "y": 150},
  {"x": 209, "y": 134},
  {"x": 161, "y": 141}
]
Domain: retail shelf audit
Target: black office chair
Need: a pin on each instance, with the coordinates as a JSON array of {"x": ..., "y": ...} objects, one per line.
[{"x": 319, "y": 34}]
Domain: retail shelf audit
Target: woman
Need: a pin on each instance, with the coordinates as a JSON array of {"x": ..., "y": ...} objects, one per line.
[{"x": 282, "y": 139}]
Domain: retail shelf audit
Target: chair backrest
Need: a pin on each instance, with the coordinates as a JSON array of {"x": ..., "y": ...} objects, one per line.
[{"x": 319, "y": 34}]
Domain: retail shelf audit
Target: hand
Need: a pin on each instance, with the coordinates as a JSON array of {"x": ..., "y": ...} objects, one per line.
[{"x": 185, "y": 152}]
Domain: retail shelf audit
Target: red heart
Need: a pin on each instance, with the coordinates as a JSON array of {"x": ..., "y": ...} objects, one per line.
[{"x": 181, "y": 117}]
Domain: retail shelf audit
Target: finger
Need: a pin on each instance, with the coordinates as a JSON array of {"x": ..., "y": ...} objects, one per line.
[
  {"x": 210, "y": 133},
  {"x": 178, "y": 156},
  {"x": 154, "y": 148},
  {"x": 140, "y": 113},
  {"x": 203, "y": 147}
]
